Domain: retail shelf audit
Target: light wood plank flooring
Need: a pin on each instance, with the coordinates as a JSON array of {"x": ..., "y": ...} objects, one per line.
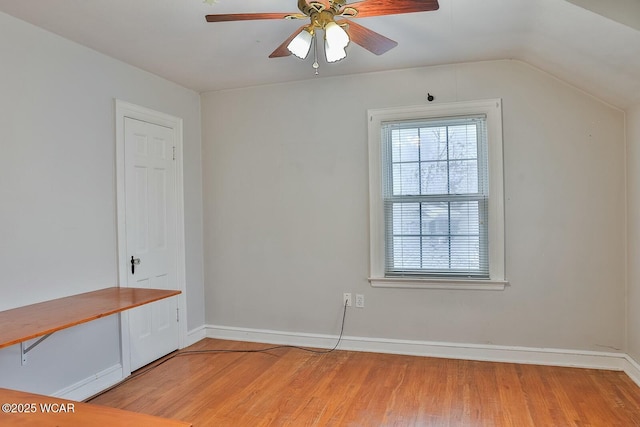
[{"x": 343, "y": 388}]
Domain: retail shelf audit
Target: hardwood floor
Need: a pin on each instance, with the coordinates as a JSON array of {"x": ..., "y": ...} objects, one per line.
[{"x": 292, "y": 387}]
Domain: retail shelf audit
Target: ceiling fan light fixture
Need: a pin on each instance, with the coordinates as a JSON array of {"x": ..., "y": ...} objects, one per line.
[
  {"x": 332, "y": 53},
  {"x": 335, "y": 35},
  {"x": 336, "y": 40},
  {"x": 301, "y": 44}
]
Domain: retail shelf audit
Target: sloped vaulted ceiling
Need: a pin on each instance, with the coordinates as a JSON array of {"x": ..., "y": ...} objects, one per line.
[
  {"x": 593, "y": 47},
  {"x": 624, "y": 11},
  {"x": 588, "y": 50}
]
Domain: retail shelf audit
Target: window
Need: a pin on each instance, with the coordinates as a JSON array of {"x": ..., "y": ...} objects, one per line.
[{"x": 436, "y": 196}]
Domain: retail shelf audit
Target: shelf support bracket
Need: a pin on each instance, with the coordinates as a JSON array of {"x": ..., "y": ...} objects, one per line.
[{"x": 26, "y": 349}]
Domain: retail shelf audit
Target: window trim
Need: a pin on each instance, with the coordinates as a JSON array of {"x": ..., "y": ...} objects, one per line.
[{"x": 492, "y": 108}]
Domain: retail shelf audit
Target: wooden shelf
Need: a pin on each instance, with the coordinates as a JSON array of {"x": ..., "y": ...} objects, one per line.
[
  {"x": 42, "y": 319},
  {"x": 74, "y": 414},
  {"x": 36, "y": 320}
]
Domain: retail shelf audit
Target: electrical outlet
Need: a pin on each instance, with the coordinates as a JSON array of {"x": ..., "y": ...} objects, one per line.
[
  {"x": 346, "y": 299},
  {"x": 360, "y": 300}
]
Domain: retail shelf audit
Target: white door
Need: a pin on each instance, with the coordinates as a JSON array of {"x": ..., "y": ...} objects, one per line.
[{"x": 150, "y": 212}]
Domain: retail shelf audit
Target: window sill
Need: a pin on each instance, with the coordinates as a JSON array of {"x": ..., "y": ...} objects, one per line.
[{"x": 459, "y": 284}]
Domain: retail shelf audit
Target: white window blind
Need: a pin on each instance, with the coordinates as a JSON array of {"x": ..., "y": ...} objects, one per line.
[{"x": 435, "y": 197}]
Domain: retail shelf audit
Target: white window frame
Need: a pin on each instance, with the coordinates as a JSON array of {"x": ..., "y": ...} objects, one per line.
[{"x": 492, "y": 109}]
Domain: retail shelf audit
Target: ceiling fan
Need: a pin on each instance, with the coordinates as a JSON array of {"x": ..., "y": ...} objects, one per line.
[{"x": 337, "y": 33}]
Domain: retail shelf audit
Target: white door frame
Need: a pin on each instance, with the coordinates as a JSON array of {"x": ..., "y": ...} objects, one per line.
[{"x": 122, "y": 110}]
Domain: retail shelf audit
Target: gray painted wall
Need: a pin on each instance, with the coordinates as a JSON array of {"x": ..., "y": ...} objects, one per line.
[
  {"x": 57, "y": 187},
  {"x": 633, "y": 233},
  {"x": 286, "y": 211}
]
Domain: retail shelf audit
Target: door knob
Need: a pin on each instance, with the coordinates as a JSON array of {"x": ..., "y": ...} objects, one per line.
[{"x": 134, "y": 262}]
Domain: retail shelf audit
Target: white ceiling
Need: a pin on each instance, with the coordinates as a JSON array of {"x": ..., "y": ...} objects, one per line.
[{"x": 171, "y": 38}]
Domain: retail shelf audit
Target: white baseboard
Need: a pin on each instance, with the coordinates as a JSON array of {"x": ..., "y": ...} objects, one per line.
[
  {"x": 632, "y": 368},
  {"x": 94, "y": 384},
  {"x": 195, "y": 335},
  {"x": 490, "y": 353}
]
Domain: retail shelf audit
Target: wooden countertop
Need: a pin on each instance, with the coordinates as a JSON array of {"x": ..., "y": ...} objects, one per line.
[
  {"x": 35, "y": 410},
  {"x": 35, "y": 320}
]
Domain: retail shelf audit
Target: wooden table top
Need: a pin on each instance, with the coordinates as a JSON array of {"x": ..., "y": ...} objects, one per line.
[
  {"x": 35, "y": 410},
  {"x": 35, "y": 320}
]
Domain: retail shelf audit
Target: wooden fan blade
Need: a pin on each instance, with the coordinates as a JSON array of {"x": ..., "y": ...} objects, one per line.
[
  {"x": 368, "y": 39},
  {"x": 367, "y": 8},
  {"x": 282, "y": 49},
  {"x": 253, "y": 16}
]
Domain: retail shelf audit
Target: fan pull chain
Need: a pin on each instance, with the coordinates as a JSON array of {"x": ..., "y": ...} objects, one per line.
[{"x": 315, "y": 54}]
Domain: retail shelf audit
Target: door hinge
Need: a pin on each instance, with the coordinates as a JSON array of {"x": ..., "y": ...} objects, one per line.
[
  {"x": 177, "y": 315},
  {"x": 174, "y": 153}
]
